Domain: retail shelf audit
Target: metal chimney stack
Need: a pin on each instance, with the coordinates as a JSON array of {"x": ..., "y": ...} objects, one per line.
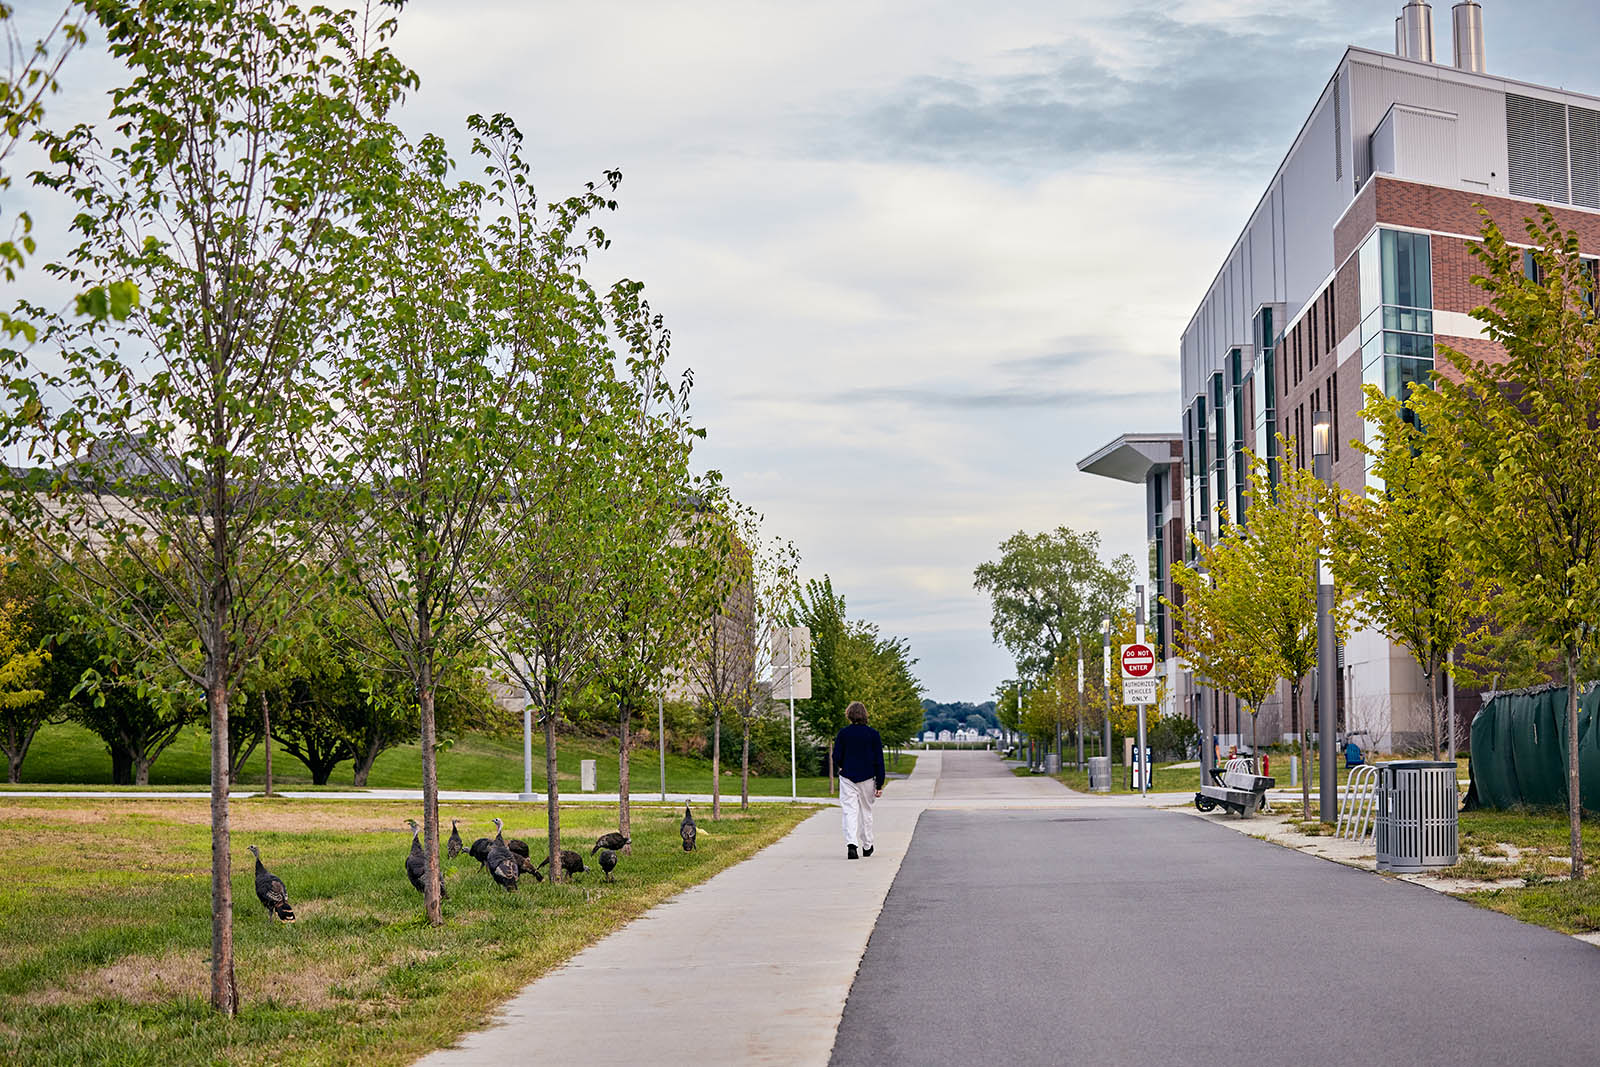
[
  {"x": 1468, "y": 19},
  {"x": 1414, "y": 31}
]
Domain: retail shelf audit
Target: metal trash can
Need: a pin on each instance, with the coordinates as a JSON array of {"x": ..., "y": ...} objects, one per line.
[
  {"x": 1416, "y": 828},
  {"x": 1100, "y": 774},
  {"x": 1052, "y": 763}
]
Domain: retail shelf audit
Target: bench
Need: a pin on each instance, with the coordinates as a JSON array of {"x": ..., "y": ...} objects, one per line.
[{"x": 1235, "y": 788}]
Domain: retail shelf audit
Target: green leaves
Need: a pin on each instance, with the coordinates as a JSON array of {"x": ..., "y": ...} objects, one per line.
[
  {"x": 1048, "y": 589},
  {"x": 1248, "y": 616}
]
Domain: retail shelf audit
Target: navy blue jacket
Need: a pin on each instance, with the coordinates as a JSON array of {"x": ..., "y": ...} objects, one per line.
[{"x": 858, "y": 754}]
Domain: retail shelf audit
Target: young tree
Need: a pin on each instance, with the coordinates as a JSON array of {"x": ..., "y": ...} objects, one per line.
[
  {"x": 722, "y": 661},
  {"x": 175, "y": 426},
  {"x": 437, "y": 433},
  {"x": 1251, "y": 618},
  {"x": 30, "y": 75},
  {"x": 1512, "y": 447},
  {"x": 560, "y": 557},
  {"x": 1396, "y": 554},
  {"x": 646, "y": 618},
  {"x": 773, "y": 580}
]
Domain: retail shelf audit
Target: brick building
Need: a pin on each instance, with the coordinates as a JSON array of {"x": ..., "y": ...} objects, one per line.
[{"x": 1353, "y": 266}]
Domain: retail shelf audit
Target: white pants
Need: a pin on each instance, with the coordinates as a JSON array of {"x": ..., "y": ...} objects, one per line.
[{"x": 856, "y": 800}]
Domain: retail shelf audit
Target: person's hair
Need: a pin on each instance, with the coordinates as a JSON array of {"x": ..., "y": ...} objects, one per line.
[{"x": 856, "y": 712}]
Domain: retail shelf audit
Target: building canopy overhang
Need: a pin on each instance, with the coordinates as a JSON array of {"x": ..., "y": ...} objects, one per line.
[{"x": 1131, "y": 457}]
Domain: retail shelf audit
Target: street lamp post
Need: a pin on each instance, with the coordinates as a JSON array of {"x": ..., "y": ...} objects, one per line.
[
  {"x": 1105, "y": 652},
  {"x": 1327, "y": 652},
  {"x": 1080, "y": 702},
  {"x": 1203, "y": 706},
  {"x": 1143, "y": 753}
]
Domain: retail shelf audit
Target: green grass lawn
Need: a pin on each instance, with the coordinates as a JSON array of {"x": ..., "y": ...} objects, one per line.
[
  {"x": 106, "y": 912},
  {"x": 66, "y": 754},
  {"x": 1533, "y": 845}
]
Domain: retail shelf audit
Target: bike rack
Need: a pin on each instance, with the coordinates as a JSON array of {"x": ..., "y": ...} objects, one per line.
[{"x": 1358, "y": 804}]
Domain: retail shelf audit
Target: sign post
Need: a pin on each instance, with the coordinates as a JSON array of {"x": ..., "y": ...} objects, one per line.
[
  {"x": 1139, "y": 685},
  {"x": 791, "y": 677}
]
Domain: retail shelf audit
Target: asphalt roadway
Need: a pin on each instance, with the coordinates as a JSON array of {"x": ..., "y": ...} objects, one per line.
[{"x": 1115, "y": 935}]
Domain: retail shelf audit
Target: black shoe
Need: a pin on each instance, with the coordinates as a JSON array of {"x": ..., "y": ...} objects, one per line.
[
  {"x": 852, "y": 852},
  {"x": 867, "y": 851}
]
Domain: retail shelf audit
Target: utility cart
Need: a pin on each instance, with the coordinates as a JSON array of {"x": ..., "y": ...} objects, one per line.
[{"x": 1236, "y": 788}]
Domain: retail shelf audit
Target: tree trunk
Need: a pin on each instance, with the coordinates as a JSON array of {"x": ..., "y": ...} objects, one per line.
[
  {"x": 430, "y": 796},
  {"x": 224, "y": 994},
  {"x": 744, "y": 769},
  {"x": 14, "y": 766},
  {"x": 121, "y": 768},
  {"x": 1305, "y": 756},
  {"x": 716, "y": 765},
  {"x": 1574, "y": 796},
  {"x": 363, "y": 765},
  {"x": 552, "y": 791},
  {"x": 624, "y": 804},
  {"x": 238, "y": 763},
  {"x": 1429, "y": 680},
  {"x": 830, "y": 768},
  {"x": 141, "y": 769},
  {"x": 266, "y": 737}
]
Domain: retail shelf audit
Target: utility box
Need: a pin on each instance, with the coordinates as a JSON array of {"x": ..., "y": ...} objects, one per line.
[
  {"x": 1418, "y": 803},
  {"x": 1100, "y": 774},
  {"x": 587, "y": 775}
]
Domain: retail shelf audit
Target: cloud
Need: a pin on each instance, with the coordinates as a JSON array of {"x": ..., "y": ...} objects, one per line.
[
  {"x": 1145, "y": 84},
  {"x": 959, "y": 399}
]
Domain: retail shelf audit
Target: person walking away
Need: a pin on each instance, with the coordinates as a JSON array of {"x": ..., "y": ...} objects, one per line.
[{"x": 858, "y": 758}]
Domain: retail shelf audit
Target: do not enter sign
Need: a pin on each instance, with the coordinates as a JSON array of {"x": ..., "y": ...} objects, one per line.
[{"x": 1138, "y": 661}]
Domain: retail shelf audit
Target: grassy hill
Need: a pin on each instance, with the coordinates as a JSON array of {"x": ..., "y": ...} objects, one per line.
[{"x": 67, "y": 754}]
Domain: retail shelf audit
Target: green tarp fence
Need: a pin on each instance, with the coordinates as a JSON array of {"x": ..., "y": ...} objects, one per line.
[{"x": 1519, "y": 749}]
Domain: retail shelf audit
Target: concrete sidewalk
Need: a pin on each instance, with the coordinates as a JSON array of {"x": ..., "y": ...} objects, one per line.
[
  {"x": 459, "y": 796},
  {"x": 753, "y": 966}
]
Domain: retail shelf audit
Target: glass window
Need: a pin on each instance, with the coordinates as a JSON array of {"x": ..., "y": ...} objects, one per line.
[{"x": 1407, "y": 269}]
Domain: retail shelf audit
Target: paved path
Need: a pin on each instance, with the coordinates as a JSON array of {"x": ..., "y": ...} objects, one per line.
[
  {"x": 750, "y": 967},
  {"x": 1097, "y": 935}
]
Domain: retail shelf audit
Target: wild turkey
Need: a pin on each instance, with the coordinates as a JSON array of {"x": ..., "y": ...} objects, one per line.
[
  {"x": 455, "y": 848},
  {"x": 612, "y": 841},
  {"x": 571, "y": 862},
  {"x": 417, "y": 863},
  {"x": 502, "y": 864},
  {"x": 608, "y": 862},
  {"x": 270, "y": 891},
  {"x": 686, "y": 830},
  {"x": 480, "y": 850}
]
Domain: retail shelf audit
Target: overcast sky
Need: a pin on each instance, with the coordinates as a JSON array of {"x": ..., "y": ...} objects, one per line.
[{"x": 922, "y": 256}]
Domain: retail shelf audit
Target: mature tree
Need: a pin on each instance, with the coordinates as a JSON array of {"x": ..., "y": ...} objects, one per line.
[
  {"x": 1249, "y": 611},
  {"x": 1396, "y": 554},
  {"x": 176, "y": 426},
  {"x": 24, "y": 671},
  {"x": 1047, "y": 590},
  {"x": 823, "y": 611},
  {"x": 1513, "y": 446}
]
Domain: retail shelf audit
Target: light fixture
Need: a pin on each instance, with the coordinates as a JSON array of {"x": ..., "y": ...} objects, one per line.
[{"x": 1321, "y": 432}]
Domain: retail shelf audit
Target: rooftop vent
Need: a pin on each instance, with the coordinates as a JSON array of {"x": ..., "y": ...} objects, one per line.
[
  {"x": 1413, "y": 31},
  {"x": 1468, "y": 19}
]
